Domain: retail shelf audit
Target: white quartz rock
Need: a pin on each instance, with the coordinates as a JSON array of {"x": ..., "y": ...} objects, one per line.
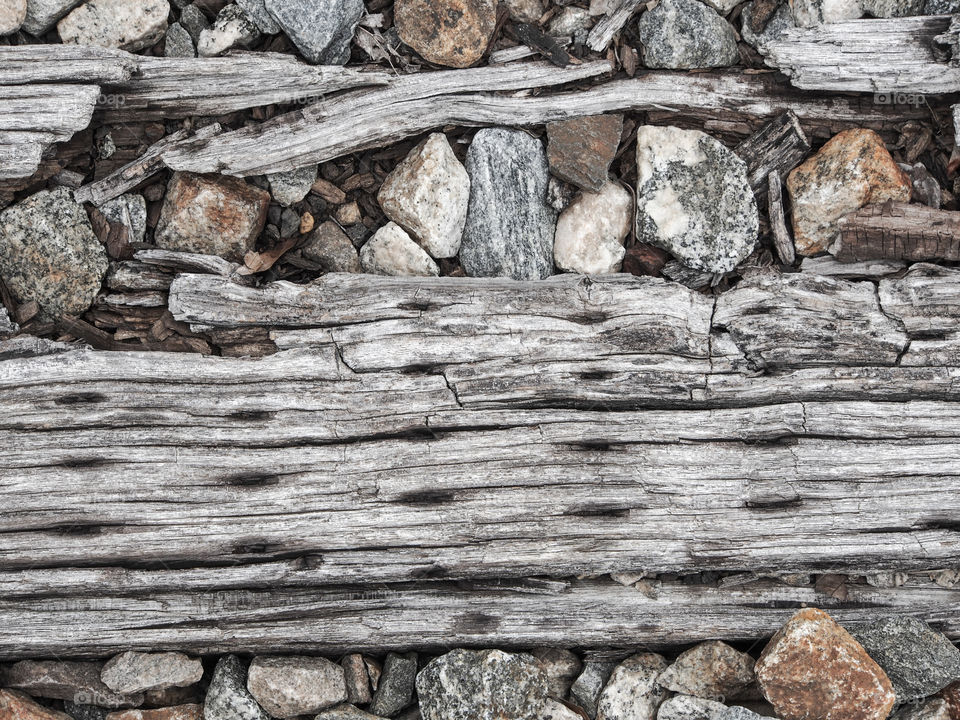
[
  {"x": 232, "y": 29},
  {"x": 391, "y": 252},
  {"x": 125, "y": 24},
  {"x": 591, "y": 231}
]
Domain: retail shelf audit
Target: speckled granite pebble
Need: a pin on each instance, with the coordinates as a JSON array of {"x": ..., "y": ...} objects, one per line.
[
  {"x": 687, "y": 34},
  {"x": 321, "y": 29},
  {"x": 228, "y": 697}
]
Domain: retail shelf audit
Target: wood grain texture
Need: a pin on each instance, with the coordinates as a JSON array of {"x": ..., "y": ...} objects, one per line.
[
  {"x": 899, "y": 231},
  {"x": 27, "y": 64}
]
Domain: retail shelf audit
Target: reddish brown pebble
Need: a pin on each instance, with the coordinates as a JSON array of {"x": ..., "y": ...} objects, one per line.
[
  {"x": 454, "y": 33},
  {"x": 180, "y": 712},
  {"x": 951, "y": 693},
  {"x": 643, "y": 259},
  {"x": 580, "y": 150},
  {"x": 329, "y": 192},
  {"x": 813, "y": 669},
  {"x": 16, "y": 705}
]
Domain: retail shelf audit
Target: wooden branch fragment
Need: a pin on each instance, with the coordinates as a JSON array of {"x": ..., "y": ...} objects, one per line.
[
  {"x": 899, "y": 231},
  {"x": 58, "y": 109},
  {"x": 880, "y": 56},
  {"x": 779, "y": 146},
  {"x": 411, "y": 105},
  {"x": 926, "y": 300},
  {"x": 782, "y": 242},
  {"x": 26, "y": 64},
  {"x": 829, "y": 266},
  {"x": 190, "y": 262},
  {"x": 601, "y": 35}
]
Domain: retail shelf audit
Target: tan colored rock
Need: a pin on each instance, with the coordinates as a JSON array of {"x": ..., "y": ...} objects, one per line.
[
  {"x": 289, "y": 686},
  {"x": 632, "y": 692},
  {"x": 179, "y": 712},
  {"x": 12, "y": 15},
  {"x": 711, "y": 669},
  {"x": 15, "y": 705},
  {"x": 125, "y": 24},
  {"x": 354, "y": 669},
  {"x": 211, "y": 214},
  {"x": 392, "y": 252},
  {"x": 852, "y": 170},
  {"x": 528, "y": 11},
  {"x": 591, "y": 231},
  {"x": 454, "y": 33},
  {"x": 580, "y": 150},
  {"x": 813, "y": 669},
  {"x": 134, "y": 672}
]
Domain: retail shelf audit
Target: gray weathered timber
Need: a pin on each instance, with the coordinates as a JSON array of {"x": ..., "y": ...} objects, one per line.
[
  {"x": 898, "y": 231},
  {"x": 882, "y": 56},
  {"x": 27, "y": 64},
  {"x": 779, "y": 146},
  {"x": 601, "y": 35}
]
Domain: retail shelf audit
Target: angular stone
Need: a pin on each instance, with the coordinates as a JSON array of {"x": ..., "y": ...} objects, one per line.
[
  {"x": 134, "y": 672},
  {"x": 292, "y": 186},
  {"x": 510, "y": 227},
  {"x": 925, "y": 187},
  {"x": 573, "y": 22},
  {"x": 711, "y": 669},
  {"x": 211, "y": 214},
  {"x": 810, "y": 13},
  {"x": 561, "y": 668},
  {"x": 228, "y": 697},
  {"x": 233, "y": 29},
  {"x": 686, "y": 34},
  {"x": 12, "y": 15},
  {"x": 580, "y": 150},
  {"x": 723, "y": 6},
  {"x": 346, "y": 712},
  {"x": 330, "y": 247},
  {"x": 427, "y": 195},
  {"x": 813, "y": 669},
  {"x": 586, "y": 689},
  {"x": 193, "y": 21},
  {"x": 528, "y": 11},
  {"x": 852, "y": 170},
  {"x": 78, "y": 682},
  {"x": 741, "y": 713},
  {"x": 125, "y": 24},
  {"x": 16, "y": 705},
  {"x": 893, "y": 8},
  {"x": 774, "y": 29},
  {"x": 935, "y": 709},
  {"x": 590, "y": 233},
  {"x": 918, "y": 660},
  {"x": 632, "y": 693},
  {"x": 289, "y": 686},
  {"x": 170, "y": 696},
  {"x": 354, "y": 669},
  {"x": 179, "y": 712},
  {"x": 687, "y": 707},
  {"x": 454, "y": 33},
  {"x": 694, "y": 198},
  {"x": 941, "y": 7},
  {"x": 178, "y": 42},
  {"x": 43, "y": 14},
  {"x": 85, "y": 712},
  {"x": 392, "y": 252},
  {"x": 397, "y": 684},
  {"x": 321, "y": 29},
  {"x": 257, "y": 11},
  {"x": 554, "y": 710},
  {"x": 482, "y": 685},
  {"x": 49, "y": 253}
]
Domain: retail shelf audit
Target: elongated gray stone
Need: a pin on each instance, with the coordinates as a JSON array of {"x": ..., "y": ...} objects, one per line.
[
  {"x": 134, "y": 672},
  {"x": 77, "y": 682},
  {"x": 396, "y": 686},
  {"x": 586, "y": 689},
  {"x": 43, "y": 14},
  {"x": 777, "y": 25},
  {"x": 257, "y": 10},
  {"x": 321, "y": 29},
  {"x": 228, "y": 697},
  {"x": 510, "y": 227},
  {"x": 686, "y": 34}
]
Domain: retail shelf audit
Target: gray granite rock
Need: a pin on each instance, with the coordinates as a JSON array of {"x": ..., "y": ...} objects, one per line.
[
  {"x": 632, "y": 692},
  {"x": 290, "y": 686},
  {"x": 233, "y": 29},
  {"x": 228, "y": 697},
  {"x": 257, "y": 11},
  {"x": 918, "y": 660},
  {"x": 292, "y": 186},
  {"x": 810, "y": 13},
  {"x": 328, "y": 246},
  {"x": 778, "y": 24},
  {"x": 346, "y": 712},
  {"x": 84, "y": 712},
  {"x": 131, "y": 25},
  {"x": 694, "y": 199},
  {"x": 586, "y": 689},
  {"x": 193, "y": 21},
  {"x": 482, "y": 685},
  {"x": 12, "y": 15},
  {"x": 392, "y": 252},
  {"x": 321, "y": 29},
  {"x": 933, "y": 709},
  {"x": 555, "y": 710},
  {"x": 7, "y": 326},
  {"x": 134, "y": 672},
  {"x": 711, "y": 669},
  {"x": 178, "y": 42},
  {"x": 49, "y": 253},
  {"x": 740, "y": 713},
  {"x": 941, "y": 7},
  {"x": 510, "y": 227},
  {"x": 78, "y": 682},
  {"x": 397, "y": 684},
  {"x": 687, "y": 707},
  {"x": 893, "y": 8},
  {"x": 687, "y": 34},
  {"x": 43, "y": 14}
]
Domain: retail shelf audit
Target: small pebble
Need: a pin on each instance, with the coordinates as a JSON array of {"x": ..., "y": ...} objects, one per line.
[
  {"x": 632, "y": 692},
  {"x": 233, "y": 29},
  {"x": 586, "y": 689},
  {"x": 581, "y": 150},
  {"x": 454, "y": 33},
  {"x": 687, "y": 34},
  {"x": 134, "y": 672},
  {"x": 322, "y": 30},
  {"x": 289, "y": 686},
  {"x": 397, "y": 683},
  {"x": 130, "y": 25},
  {"x": 228, "y": 697},
  {"x": 392, "y": 252},
  {"x": 590, "y": 233},
  {"x": 292, "y": 186},
  {"x": 354, "y": 669},
  {"x": 178, "y": 42}
]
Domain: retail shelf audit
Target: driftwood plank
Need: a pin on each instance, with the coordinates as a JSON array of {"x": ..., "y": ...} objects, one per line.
[
  {"x": 899, "y": 231},
  {"x": 25, "y": 64}
]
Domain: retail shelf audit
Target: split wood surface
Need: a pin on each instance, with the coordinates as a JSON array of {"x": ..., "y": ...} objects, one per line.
[{"x": 416, "y": 432}]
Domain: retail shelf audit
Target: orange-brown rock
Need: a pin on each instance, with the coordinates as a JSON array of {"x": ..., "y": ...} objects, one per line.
[
  {"x": 15, "y": 705},
  {"x": 179, "y": 712},
  {"x": 813, "y": 669},
  {"x": 580, "y": 150},
  {"x": 951, "y": 693},
  {"x": 212, "y": 214},
  {"x": 852, "y": 170},
  {"x": 447, "y": 32}
]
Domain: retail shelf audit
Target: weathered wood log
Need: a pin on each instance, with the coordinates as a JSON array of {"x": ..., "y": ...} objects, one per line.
[
  {"x": 782, "y": 242},
  {"x": 899, "y": 231},
  {"x": 601, "y": 35},
  {"x": 831, "y": 267},
  {"x": 46, "y": 64},
  {"x": 879, "y": 56},
  {"x": 779, "y": 146}
]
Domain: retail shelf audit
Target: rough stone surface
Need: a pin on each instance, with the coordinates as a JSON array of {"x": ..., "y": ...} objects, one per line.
[
  {"x": 211, "y": 214},
  {"x": 893, "y": 8},
  {"x": 554, "y": 710},
  {"x": 12, "y": 15},
  {"x": 330, "y": 247},
  {"x": 482, "y": 685},
  {"x": 321, "y": 29},
  {"x": 194, "y": 21},
  {"x": 528, "y": 11},
  {"x": 926, "y": 189},
  {"x": 580, "y": 150},
  {"x": 723, "y": 6},
  {"x": 561, "y": 668},
  {"x": 686, "y": 34},
  {"x": 129, "y": 210},
  {"x": 134, "y": 672},
  {"x": 178, "y": 42},
  {"x": 694, "y": 199},
  {"x": 687, "y": 707},
  {"x": 233, "y": 29},
  {"x": 510, "y": 227},
  {"x": 935, "y": 709},
  {"x": 77, "y": 682},
  {"x": 228, "y": 697},
  {"x": 454, "y": 33},
  {"x": 16, "y": 705},
  {"x": 941, "y": 7},
  {"x": 918, "y": 660},
  {"x": 7, "y": 326},
  {"x": 397, "y": 685},
  {"x": 586, "y": 689},
  {"x": 951, "y": 693},
  {"x": 572, "y": 22},
  {"x": 84, "y": 712},
  {"x": 852, "y": 170},
  {"x": 632, "y": 693},
  {"x": 778, "y": 24},
  {"x": 49, "y": 253},
  {"x": 710, "y": 670},
  {"x": 392, "y": 252},
  {"x": 126, "y": 24},
  {"x": 740, "y": 713},
  {"x": 257, "y": 11},
  {"x": 813, "y": 669},
  {"x": 289, "y": 686},
  {"x": 427, "y": 195},
  {"x": 346, "y": 712},
  {"x": 354, "y": 669},
  {"x": 43, "y": 14},
  {"x": 810, "y": 13},
  {"x": 178, "y": 712},
  {"x": 591, "y": 231},
  {"x": 292, "y": 186}
]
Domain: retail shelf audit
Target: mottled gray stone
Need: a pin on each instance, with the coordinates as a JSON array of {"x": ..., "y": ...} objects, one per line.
[
  {"x": 257, "y": 10},
  {"x": 918, "y": 660},
  {"x": 586, "y": 689},
  {"x": 561, "y": 668},
  {"x": 78, "y": 682},
  {"x": 84, "y": 712},
  {"x": 129, "y": 210},
  {"x": 49, "y": 253},
  {"x": 43, "y": 14},
  {"x": 686, "y": 34},
  {"x": 810, "y": 13},
  {"x": 632, "y": 693},
  {"x": 194, "y": 21},
  {"x": 941, "y": 7},
  {"x": 321, "y": 29},
  {"x": 7, "y": 326},
  {"x": 694, "y": 199},
  {"x": 934, "y": 709},
  {"x": 392, "y": 252},
  {"x": 289, "y": 686},
  {"x": 687, "y": 707},
  {"x": 131, "y": 25},
  {"x": 178, "y": 42},
  {"x": 346, "y": 712},
  {"x": 12, "y": 15},
  {"x": 228, "y": 697},
  {"x": 893, "y": 8},
  {"x": 397, "y": 684},
  {"x": 292, "y": 186},
  {"x": 482, "y": 685},
  {"x": 134, "y": 672},
  {"x": 740, "y": 713},
  {"x": 510, "y": 226},
  {"x": 330, "y": 247},
  {"x": 711, "y": 669},
  {"x": 778, "y": 24},
  {"x": 554, "y": 710},
  {"x": 233, "y": 29}
]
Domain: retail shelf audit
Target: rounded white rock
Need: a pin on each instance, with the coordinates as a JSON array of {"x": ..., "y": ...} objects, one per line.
[
  {"x": 591, "y": 231},
  {"x": 392, "y": 252}
]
